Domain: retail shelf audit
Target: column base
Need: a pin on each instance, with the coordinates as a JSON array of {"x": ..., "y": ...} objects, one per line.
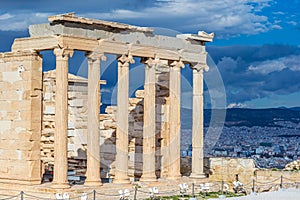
[
  {"x": 122, "y": 181},
  {"x": 174, "y": 177},
  {"x": 60, "y": 185},
  {"x": 197, "y": 176},
  {"x": 91, "y": 183},
  {"x": 148, "y": 179}
]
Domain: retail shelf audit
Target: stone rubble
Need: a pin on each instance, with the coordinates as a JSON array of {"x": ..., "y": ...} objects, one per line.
[{"x": 295, "y": 165}]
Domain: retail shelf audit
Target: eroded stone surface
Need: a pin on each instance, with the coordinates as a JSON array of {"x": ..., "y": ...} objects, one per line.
[{"x": 20, "y": 108}]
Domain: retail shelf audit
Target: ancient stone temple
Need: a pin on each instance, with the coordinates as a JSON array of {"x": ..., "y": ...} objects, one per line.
[{"x": 45, "y": 123}]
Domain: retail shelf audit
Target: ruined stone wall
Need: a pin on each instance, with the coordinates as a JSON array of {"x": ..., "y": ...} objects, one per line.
[
  {"x": 270, "y": 179},
  {"x": 108, "y": 138},
  {"x": 271, "y": 174},
  {"x": 108, "y": 141},
  {"x": 162, "y": 120},
  {"x": 226, "y": 169},
  {"x": 77, "y": 126},
  {"x": 20, "y": 117}
]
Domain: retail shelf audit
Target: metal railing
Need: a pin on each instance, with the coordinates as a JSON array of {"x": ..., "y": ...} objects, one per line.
[{"x": 183, "y": 190}]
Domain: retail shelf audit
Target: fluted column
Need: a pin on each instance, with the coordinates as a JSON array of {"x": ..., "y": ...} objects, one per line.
[
  {"x": 60, "y": 178},
  {"x": 121, "y": 173},
  {"x": 197, "y": 129},
  {"x": 149, "y": 121},
  {"x": 93, "y": 136},
  {"x": 174, "y": 144}
]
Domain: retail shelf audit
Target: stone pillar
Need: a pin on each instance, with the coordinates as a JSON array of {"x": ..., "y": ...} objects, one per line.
[
  {"x": 149, "y": 122},
  {"x": 60, "y": 177},
  {"x": 166, "y": 141},
  {"x": 93, "y": 137},
  {"x": 122, "y": 120},
  {"x": 174, "y": 144},
  {"x": 197, "y": 139}
]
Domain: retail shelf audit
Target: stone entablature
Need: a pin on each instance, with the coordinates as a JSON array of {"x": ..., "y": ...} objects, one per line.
[{"x": 109, "y": 37}]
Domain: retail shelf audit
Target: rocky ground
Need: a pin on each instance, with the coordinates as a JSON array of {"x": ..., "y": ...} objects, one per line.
[{"x": 295, "y": 165}]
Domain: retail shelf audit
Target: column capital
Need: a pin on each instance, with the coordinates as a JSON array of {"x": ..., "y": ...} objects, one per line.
[
  {"x": 125, "y": 59},
  {"x": 150, "y": 62},
  {"x": 63, "y": 53},
  {"x": 177, "y": 64},
  {"x": 199, "y": 67},
  {"x": 93, "y": 56}
]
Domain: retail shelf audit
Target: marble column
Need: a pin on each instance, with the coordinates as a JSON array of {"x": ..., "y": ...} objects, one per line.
[
  {"x": 121, "y": 173},
  {"x": 149, "y": 122},
  {"x": 197, "y": 129},
  {"x": 60, "y": 176},
  {"x": 174, "y": 144},
  {"x": 93, "y": 137},
  {"x": 165, "y": 132}
]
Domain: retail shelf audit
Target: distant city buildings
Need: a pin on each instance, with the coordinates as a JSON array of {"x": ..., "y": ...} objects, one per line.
[{"x": 270, "y": 147}]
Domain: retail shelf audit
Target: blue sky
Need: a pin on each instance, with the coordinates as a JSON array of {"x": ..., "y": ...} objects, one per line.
[{"x": 256, "y": 48}]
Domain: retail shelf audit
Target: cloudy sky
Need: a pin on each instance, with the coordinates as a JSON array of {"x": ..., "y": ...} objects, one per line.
[{"x": 256, "y": 49}]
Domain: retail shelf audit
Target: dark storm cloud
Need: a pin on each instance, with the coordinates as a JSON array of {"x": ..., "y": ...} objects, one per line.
[
  {"x": 283, "y": 82},
  {"x": 76, "y": 6},
  {"x": 7, "y": 38},
  {"x": 251, "y": 72},
  {"x": 253, "y": 53},
  {"x": 19, "y": 14}
]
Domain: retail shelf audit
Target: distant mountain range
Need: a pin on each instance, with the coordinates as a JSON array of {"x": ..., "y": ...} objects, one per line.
[
  {"x": 245, "y": 117},
  {"x": 241, "y": 116},
  {"x": 294, "y": 108}
]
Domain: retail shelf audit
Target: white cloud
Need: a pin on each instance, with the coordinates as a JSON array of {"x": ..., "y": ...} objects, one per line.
[
  {"x": 227, "y": 64},
  {"x": 225, "y": 16},
  {"x": 237, "y": 105},
  {"x": 117, "y": 14},
  {"x": 293, "y": 23},
  {"x": 268, "y": 66},
  {"x": 106, "y": 90},
  {"x": 21, "y": 20},
  {"x": 278, "y": 13},
  {"x": 6, "y": 16},
  {"x": 276, "y": 27}
]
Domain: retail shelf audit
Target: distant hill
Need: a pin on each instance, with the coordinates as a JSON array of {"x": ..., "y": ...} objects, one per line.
[
  {"x": 244, "y": 117},
  {"x": 295, "y": 108},
  {"x": 241, "y": 116},
  {"x": 260, "y": 117}
]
